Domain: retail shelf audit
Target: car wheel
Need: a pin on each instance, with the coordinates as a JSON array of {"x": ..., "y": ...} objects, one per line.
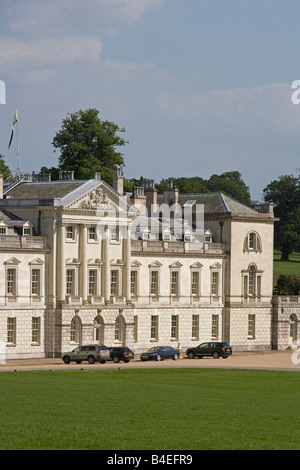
[
  {"x": 116, "y": 359},
  {"x": 158, "y": 357},
  {"x": 126, "y": 360},
  {"x": 216, "y": 355},
  {"x": 67, "y": 360},
  {"x": 78, "y": 362},
  {"x": 91, "y": 360},
  {"x": 102, "y": 361},
  {"x": 176, "y": 357},
  {"x": 224, "y": 357},
  {"x": 191, "y": 355}
]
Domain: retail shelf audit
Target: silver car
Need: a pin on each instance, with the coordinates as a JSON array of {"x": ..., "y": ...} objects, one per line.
[{"x": 91, "y": 353}]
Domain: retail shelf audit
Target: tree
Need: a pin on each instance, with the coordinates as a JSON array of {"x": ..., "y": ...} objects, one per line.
[
  {"x": 88, "y": 144},
  {"x": 4, "y": 170},
  {"x": 288, "y": 284},
  {"x": 284, "y": 193}
]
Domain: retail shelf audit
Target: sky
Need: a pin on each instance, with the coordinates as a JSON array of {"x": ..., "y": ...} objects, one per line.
[{"x": 201, "y": 87}]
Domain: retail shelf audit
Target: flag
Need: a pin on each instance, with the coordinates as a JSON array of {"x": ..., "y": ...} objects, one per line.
[{"x": 13, "y": 127}]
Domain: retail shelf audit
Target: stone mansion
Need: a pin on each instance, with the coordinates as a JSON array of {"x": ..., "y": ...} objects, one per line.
[{"x": 82, "y": 262}]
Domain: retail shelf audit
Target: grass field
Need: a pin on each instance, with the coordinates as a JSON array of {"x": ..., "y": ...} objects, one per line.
[
  {"x": 286, "y": 267},
  {"x": 150, "y": 409}
]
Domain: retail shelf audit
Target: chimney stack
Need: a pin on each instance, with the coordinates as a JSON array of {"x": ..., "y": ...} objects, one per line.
[{"x": 118, "y": 181}]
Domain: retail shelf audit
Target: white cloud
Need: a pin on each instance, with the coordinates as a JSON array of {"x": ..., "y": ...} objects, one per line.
[{"x": 49, "y": 50}]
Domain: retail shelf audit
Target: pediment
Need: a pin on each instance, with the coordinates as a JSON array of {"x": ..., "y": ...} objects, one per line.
[
  {"x": 101, "y": 198},
  {"x": 37, "y": 261},
  {"x": 12, "y": 261}
]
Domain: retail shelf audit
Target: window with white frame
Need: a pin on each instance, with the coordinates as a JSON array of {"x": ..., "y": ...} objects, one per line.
[
  {"x": 136, "y": 324},
  {"x": 114, "y": 234},
  {"x": 195, "y": 326},
  {"x": 92, "y": 234},
  {"x": 36, "y": 330},
  {"x": 36, "y": 282},
  {"x": 251, "y": 326},
  {"x": 75, "y": 330},
  {"x": 133, "y": 283},
  {"x": 12, "y": 330},
  {"x": 70, "y": 232},
  {"x": 174, "y": 283},
  {"x": 252, "y": 242},
  {"x": 154, "y": 276},
  {"x": 11, "y": 281},
  {"x": 195, "y": 287},
  {"x": 92, "y": 287},
  {"x": 215, "y": 326},
  {"x": 252, "y": 283},
  {"x": 174, "y": 326},
  {"x": 215, "y": 283},
  {"x": 114, "y": 282},
  {"x": 119, "y": 328},
  {"x": 154, "y": 327},
  {"x": 70, "y": 282}
]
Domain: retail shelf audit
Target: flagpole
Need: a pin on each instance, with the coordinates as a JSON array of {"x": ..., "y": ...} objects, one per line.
[{"x": 18, "y": 151}]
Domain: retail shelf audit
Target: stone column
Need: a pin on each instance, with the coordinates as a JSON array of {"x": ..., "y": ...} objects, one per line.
[
  {"x": 83, "y": 260},
  {"x": 61, "y": 263},
  {"x": 106, "y": 256},
  {"x": 127, "y": 265}
]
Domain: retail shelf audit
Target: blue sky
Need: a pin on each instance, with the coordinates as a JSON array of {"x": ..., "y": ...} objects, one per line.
[{"x": 201, "y": 86}]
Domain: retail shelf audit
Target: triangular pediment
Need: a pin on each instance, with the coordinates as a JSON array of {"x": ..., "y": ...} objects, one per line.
[{"x": 100, "y": 198}]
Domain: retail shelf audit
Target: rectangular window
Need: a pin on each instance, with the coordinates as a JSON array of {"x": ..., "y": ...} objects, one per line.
[
  {"x": 36, "y": 330},
  {"x": 114, "y": 234},
  {"x": 35, "y": 281},
  {"x": 215, "y": 326},
  {"x": 92, "y": 282},
  {"x": 174, "y": 326},
  {"x": 11, "y": 330},
  {"x": 215, "y": 283},
  {"x": 69, "y": 232},
  {"x": 92, "y": 233},
  {"x": 195, "y": 326},
  {"x": 195, "y": 283},
  {"x": 2, "y": 230},
  {"x": 114, "y": 282},
  {"x": 174, "y": 282},
  {"x": 154, "y": 283},
  {"x": 11, "y": 279},
  {"x": 27, "y": 232},
  {"x": 133, "y": 283},
  {"x": 154, "y": 327},
  {"x": 251, "y": 326},
  {"x": 70, "y": 282}
]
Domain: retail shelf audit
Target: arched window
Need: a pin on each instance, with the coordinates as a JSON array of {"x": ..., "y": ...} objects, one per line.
[
  {"x": 120, "y": 329},
  {"x": 75, "y": 336},
  {"x": 252, "y": 242},
  {"x": 252, "y": 283}
]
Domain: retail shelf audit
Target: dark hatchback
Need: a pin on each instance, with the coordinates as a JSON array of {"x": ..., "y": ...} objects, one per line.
[
  {"x": 118, "y": 354},
  {"x": 214, "y": 349},
  {"x": 159, "y": 353}
]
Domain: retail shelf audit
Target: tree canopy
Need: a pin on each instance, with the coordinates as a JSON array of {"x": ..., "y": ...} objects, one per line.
[
  {"x": 4, "y": 170},
  {"x": 284, "y": 193},
  {"x": 87, "y": 144}
]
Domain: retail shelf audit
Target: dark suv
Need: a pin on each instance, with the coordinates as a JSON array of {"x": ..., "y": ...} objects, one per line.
[
  {"x": 121, "y": 354},
  {"x": 214, "y": 349},
  {"x": 91, "y": 353}
]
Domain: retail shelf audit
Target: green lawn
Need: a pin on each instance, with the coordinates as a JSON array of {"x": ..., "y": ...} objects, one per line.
[
  {"x": 150, "y": 409},
  {"x": 286, "y": 267}
]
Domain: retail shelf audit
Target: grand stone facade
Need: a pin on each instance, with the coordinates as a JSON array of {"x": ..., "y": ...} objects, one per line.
[{"x": 89, "y": 264}]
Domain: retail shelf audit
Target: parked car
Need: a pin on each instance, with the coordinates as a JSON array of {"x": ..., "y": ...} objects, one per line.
[
  {"x": 159, "y": 353},
  {"x": 214, "y": 349},
  {"x": 118, "y": 354},
  {"x": 91, "y": 353}
]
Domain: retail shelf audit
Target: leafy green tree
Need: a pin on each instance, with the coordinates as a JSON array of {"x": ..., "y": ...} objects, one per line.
[
  {"x": 284, "y": 193},
  {"x": 288, "y": 284},
  {"x": 4, "y": 170},
  {"x": 231, "y": 184},
  {"x": 87, "y": 144}
]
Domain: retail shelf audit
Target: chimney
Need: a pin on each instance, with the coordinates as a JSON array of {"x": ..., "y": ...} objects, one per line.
[
  {"x": 118, "y": 181},
  {"x": 138, "y": 198},
  {"x": 66, "y": 175},
  {"x": 151, "y": 195},
  {"x": 97, "y": 176},
  {"x": 171, "y": 196},
  {"x": 1, "y": 186}
]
